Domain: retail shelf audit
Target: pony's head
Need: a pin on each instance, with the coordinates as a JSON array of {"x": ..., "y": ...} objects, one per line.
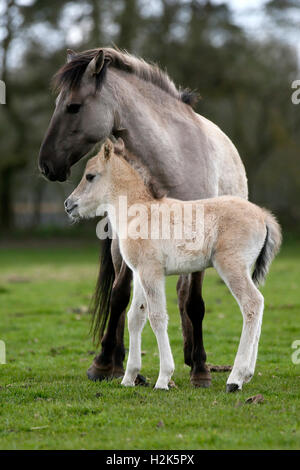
[
  {"x": 79, "y": 120},
  {"x": 95, "y": 184},
  {"x": 88, "y": 108}
]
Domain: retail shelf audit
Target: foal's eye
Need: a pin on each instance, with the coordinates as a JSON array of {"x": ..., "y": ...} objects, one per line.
[
  {"x": 89, "y": 177},
  {"x": 73, "y": 108}
]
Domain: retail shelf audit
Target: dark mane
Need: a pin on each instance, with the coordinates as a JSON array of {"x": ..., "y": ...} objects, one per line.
[{"x": 70, "y": 74}]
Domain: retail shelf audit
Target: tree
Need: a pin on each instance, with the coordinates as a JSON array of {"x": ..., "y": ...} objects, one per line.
[{"x": 12, "y": 124}]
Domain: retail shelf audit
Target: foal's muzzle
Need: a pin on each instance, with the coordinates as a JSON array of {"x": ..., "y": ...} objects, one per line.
[{"x": 70, "y": 205}]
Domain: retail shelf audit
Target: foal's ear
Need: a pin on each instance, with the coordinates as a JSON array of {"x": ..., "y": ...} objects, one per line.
[
  {"x": 119, "y": 147},
  {"x": 108, "y": 148},
  {"x": 96, "y": 64},
  {"x": 70, "y": 55}
]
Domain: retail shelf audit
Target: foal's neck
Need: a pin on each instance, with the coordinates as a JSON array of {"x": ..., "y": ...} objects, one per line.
[
  {"x": 126, "y": 181},
  {"x": 125, "y": 188}
]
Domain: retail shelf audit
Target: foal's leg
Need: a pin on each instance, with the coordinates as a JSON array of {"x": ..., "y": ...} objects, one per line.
[
  {"x": 192, "y": 311},
  {"x": 251, "y": 302},
  {"x": 137, "y": 316},
  {"x": 154, "y": 289},
  {"x": 255, "y": 348}
]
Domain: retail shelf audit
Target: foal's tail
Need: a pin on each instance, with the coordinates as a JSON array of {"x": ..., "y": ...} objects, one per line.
[
  {"x": 269, "y": 250},
  {"x": 100, "y": 307}
]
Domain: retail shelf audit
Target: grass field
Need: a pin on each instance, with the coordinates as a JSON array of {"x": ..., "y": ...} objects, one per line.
[{"x": 46, "y": 401}]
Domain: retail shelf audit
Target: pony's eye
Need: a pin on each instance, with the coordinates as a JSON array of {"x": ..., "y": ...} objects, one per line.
[
  {"x": 89, "y": 177},
  {"x": 73, "y": 108}
]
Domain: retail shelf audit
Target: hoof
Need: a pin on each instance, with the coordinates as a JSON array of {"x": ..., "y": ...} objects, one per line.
[
  {"x": 127, "y": 383},
  {"x": 99, "y": 373},
  {"x": 161, "y": 386},
  {"x": 96, "y": 373},
  {"x": 117, "y": 372},
  {"x": 141, "y": 380},
  {"x": 201, "y": 379},
  {"x": 231, "y": 388}
]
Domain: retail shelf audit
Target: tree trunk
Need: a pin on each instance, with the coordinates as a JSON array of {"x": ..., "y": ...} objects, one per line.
[{"x": 6, "y": 205}]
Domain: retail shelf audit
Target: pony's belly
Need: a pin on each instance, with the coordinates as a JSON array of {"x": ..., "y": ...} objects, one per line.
[{"x": 188, "y": 261}]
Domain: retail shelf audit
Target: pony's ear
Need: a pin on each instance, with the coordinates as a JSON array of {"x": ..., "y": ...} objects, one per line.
[
  {"x": 96, "y": 64},
  {"x": 108, "y": 148},
  {"x": 119, "y": 146},
  {"x": 70, "y": 55}
]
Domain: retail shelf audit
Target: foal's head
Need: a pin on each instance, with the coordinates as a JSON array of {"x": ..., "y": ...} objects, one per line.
[{"x": 95, "y": 183}]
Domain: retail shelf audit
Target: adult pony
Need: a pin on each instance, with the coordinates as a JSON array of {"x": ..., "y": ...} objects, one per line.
[{"x": 105, "y": 92}]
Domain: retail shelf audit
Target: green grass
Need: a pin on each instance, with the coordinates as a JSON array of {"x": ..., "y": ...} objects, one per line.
[{"x": 46, "y": 401}]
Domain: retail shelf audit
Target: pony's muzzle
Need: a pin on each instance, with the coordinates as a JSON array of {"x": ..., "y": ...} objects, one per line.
[{"x": 45, "y": 170}]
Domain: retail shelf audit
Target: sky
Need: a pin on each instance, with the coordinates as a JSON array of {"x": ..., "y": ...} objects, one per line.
[{"x": 251, "y": 16}]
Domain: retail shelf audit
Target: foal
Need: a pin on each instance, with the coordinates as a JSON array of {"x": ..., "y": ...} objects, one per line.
[{"x": 228, "y": 233}]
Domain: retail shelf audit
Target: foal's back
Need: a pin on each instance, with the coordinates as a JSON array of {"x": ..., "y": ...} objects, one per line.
[{"x": 227, "y": 225}]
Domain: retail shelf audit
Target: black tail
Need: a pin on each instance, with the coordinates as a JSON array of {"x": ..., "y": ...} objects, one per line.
[
  {"x": 100, "y": 307},
  {"x": 269, "y": 250}
]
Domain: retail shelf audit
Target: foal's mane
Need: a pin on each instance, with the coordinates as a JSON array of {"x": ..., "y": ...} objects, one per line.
[
  {"x": 70, "y": 74},
  {"x": 155, "y": 190},
  {"x": 153, "y": 187}
]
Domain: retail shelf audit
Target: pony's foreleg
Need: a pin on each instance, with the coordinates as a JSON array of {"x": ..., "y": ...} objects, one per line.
[
  {"x": 251, "y": 303},
  {"x": 137, "y": 316},
  {"x": 154, "y": 289},
  {"x": 109, "y": 363}
]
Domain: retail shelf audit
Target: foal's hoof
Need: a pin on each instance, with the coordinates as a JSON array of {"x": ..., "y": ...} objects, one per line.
[
  {"x": 97, "y": 372},
  {"x": 231, "y": 388},
  {"x": 201, "y": 379},
  {"x": 141, "y": 380}
]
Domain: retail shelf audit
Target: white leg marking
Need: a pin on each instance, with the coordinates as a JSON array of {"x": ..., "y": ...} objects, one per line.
[
  {"x": 251, "y": 303},
  {"x": 255, "y": 348},
  {"x": 244, "y": 364},
  {"x": 137, "y": 317},
  {"x": 154, "y": 290}
]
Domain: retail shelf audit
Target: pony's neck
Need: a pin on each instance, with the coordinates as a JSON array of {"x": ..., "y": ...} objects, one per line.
[{"x": 144, "y": 125}]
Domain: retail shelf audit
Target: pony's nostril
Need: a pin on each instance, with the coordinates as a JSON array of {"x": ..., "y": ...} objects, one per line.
[
  {"x": 70, "y": 209},
  {"x": 45, "y": 169}
]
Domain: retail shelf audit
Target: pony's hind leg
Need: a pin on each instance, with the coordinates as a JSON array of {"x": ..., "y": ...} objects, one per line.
[
  {"x": 192, "y": 310},
  {"x": 237, "y": 277},
  {"x": 154, "y": 290},
  {"x": 137, "y": 316},
  {"x": 183, "y": 289}
]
